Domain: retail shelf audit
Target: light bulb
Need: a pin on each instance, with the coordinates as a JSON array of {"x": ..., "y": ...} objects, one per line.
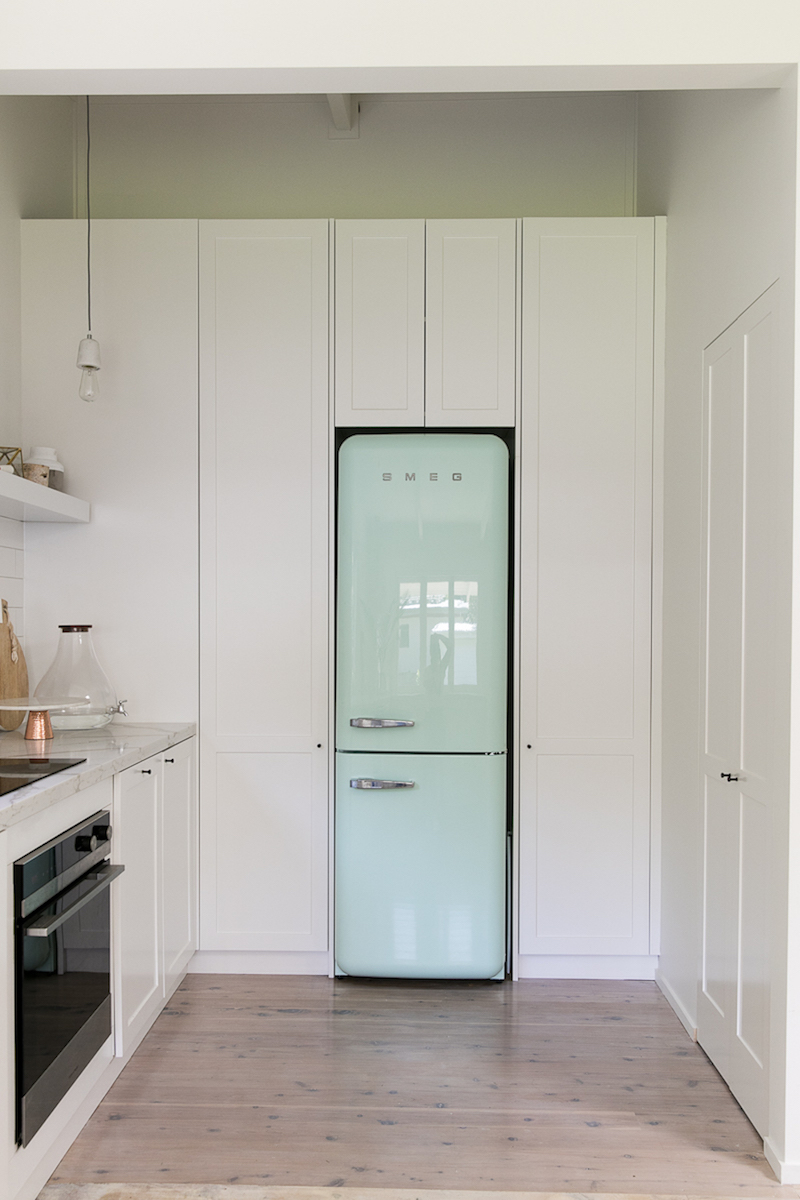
[
  {"x": 89, "y": 387},
  {"x": 89, "y": 363}
]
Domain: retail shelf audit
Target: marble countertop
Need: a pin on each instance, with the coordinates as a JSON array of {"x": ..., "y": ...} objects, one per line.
[{"x": 107, "y": 751}]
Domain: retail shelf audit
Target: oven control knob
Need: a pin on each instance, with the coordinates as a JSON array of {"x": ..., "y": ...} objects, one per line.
[
  {"x": 102, "y": 832},
  {"x": 86, "y": 843}
]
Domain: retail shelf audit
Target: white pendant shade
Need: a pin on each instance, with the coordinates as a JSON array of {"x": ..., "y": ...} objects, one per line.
[{"x": 89, "y": 354}]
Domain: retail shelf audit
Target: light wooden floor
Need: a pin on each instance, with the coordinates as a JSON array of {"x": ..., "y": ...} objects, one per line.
[{"x": 533, "y": 1086}]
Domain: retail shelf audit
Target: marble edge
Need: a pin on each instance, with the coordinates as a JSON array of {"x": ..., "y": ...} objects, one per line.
[{"x": 37, "y": 797}]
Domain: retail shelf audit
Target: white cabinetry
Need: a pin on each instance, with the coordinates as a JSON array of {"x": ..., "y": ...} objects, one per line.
[
  {"x": 264, "y": 589},
  {"x": 470, "y": 346},
  {"x": 138, "y": 949},
  {"x": 425, "y": 323},
  {"x": 379, "y": 311},
  {"x": 154, "y": 916},
  {"x": 585, "y": 462},
  {"x": 178, "y": 861}
]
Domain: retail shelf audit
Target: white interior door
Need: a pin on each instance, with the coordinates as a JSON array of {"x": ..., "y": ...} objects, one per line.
[{"x": 733, "y": 1002}]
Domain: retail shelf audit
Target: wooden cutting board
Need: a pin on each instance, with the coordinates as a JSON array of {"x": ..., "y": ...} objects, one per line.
[{"x": 13, "y": 671}]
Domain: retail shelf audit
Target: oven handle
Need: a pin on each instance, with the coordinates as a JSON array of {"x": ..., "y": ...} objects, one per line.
[{"x": 43, "y": 926}]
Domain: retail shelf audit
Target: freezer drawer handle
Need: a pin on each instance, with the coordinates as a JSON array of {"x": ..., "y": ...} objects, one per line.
[
  {"x": 379, "y": 723},
  {"x": 44, "y": 926},
  {"x": 384, "y": 784}
]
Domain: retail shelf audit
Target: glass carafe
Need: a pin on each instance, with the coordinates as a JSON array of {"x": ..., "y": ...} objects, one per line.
[{"x": 76, "y": 672}]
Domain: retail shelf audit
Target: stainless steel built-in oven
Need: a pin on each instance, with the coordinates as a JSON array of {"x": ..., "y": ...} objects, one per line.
[{"x": 62, "y": 965}]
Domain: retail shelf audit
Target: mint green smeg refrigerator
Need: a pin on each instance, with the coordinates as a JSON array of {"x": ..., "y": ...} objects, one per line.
[{"x": 421, "y": 706}]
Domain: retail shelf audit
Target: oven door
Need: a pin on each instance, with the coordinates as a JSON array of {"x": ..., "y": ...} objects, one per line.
[{"x": 63, "y": 1001}]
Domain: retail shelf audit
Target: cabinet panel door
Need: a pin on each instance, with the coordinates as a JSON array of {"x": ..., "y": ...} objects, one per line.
[
  {"x": 470, "y": 349},
  {"x": 270, "y": 851},
  {"x": 380, "y": 323},
  {"x": 179, "y": 862},
  {"x": 585, "y": 586},
  {"x": 137, "y": 836},
  {"x": 264, "y": 562}
]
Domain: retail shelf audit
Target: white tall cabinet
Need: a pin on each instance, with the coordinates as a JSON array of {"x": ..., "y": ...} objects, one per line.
[
  {"x": 585, "y": 466},
  {"x": 264, "y": 594}
]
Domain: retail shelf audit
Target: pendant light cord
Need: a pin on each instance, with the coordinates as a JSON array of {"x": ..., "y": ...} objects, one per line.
[{"x": 88, "y": 225}]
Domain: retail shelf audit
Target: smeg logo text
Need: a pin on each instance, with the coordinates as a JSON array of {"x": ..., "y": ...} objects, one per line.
[{"x": 411, "y": 477}]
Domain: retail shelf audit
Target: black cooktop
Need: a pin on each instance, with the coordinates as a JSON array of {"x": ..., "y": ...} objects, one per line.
[{"x": 17, "y": 772}]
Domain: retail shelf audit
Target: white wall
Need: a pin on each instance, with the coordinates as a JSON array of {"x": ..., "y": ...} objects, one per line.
[
  {"x": 36, "y": 169},
  {"x": 36, "y": 160},
  {"x": 132, "y": 571},
  {"x": 414, "y": 157},
  {"x": 721, "y": 166}
]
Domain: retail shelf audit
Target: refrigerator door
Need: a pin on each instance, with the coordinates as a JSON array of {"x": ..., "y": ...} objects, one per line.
[
  {"x": 420, "y": 869},
  {"x": 422, "y": 593}
]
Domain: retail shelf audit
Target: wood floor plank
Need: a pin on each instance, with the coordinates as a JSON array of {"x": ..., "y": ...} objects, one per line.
[{"x": 545, "y": 1085}]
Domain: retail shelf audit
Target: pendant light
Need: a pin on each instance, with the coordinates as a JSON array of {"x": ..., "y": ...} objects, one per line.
[{"x": 88, "y": 350}]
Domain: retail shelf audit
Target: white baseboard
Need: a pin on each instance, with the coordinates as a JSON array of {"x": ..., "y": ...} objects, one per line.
[
  {"x": 681, "y": 1012},
  {"x": 259, "y": 962},
  {"x": 787, "y": 1173},
  {"x": 586, "y": 966}
]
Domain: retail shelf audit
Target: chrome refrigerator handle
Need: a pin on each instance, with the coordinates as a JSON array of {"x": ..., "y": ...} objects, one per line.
[
  {"x": 370, "y": 785},
  {"x": 379, "y": 723}
]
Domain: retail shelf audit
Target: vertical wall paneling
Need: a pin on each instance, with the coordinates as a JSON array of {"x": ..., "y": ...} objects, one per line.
[
  {"x": 585, "y": 588},
  {"x": 738, "y": 726},
  {"x": 264, "y": 585},
  {"x": 470, "y": 348},
  {"x": 380, "y": 323}
]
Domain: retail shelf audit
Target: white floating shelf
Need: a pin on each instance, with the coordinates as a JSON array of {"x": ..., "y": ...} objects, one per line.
[{"x": 23, "y": 500}]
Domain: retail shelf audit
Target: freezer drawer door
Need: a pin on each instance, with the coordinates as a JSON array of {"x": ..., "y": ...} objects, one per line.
[
  {"x": 420, "y": 870},
  {"x": 422, "y": 593}
]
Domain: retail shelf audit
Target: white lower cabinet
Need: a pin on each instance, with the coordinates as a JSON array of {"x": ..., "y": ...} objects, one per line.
[
  {"x": 154, "y": 920},
  {"x": 178, "y": 862}
]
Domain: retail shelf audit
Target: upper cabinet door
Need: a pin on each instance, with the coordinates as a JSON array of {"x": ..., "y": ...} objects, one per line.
[
  {"x": 470, "y": 367},
  {"x": 380, "y": 323}
]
